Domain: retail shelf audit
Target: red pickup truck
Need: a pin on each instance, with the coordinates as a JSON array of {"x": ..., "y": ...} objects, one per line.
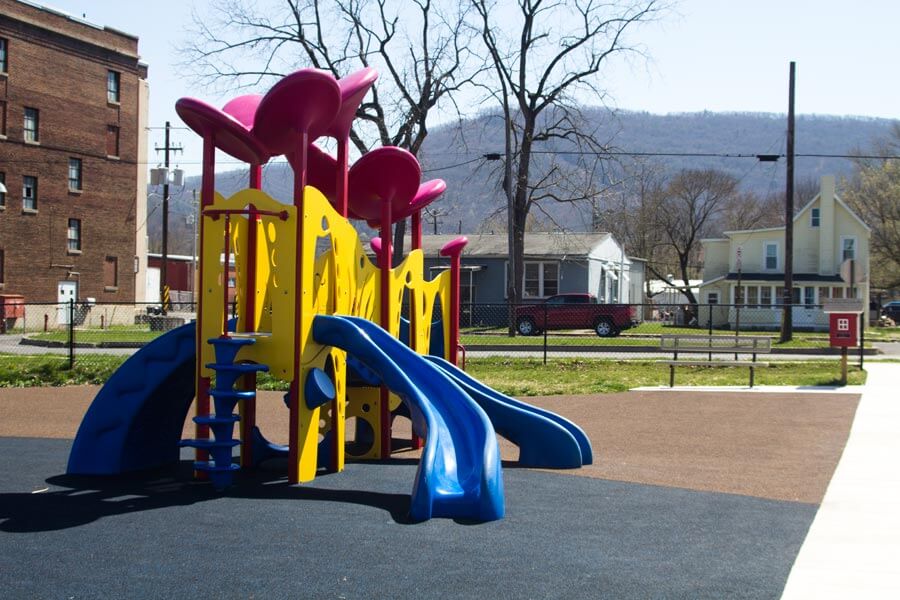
[{"x": 574, "y": 311}]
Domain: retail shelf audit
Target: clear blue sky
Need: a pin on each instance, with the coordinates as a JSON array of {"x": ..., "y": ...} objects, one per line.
[{"x": 718, "y": 55}]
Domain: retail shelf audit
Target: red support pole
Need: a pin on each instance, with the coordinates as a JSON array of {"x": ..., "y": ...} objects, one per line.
[
  {"x": 248, "y": 414},
  {"x": 207, "y": 194},
  {"x": 417, "y": 230},
  {"x": 227, "y": 271},
  {"x": 453, "y": 250},
  {"x": 343, "y": 162},
  {"x": 384, "y": 263}
]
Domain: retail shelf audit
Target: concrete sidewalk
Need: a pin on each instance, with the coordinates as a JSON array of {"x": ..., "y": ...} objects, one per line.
[{"x": 853, "y": 545}]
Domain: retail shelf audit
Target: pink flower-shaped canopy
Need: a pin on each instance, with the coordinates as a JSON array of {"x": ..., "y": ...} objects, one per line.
[
  {"x": 387, "y": 174},
  {"x": 304, "y": 102},
  {"x": 230, "y": 133}
]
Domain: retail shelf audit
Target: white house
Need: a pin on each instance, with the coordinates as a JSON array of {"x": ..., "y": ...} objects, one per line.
[{"x": 745, "y": 268}]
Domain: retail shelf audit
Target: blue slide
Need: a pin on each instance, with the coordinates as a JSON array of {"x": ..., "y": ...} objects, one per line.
[
  {"x": 459, "y": 475},
  {"x": 544, "y": 438},
  {"x": 135, "y": 421}
]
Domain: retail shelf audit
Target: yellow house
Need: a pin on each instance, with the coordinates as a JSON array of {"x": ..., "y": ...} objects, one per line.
[{"x": 743, "y": 272}]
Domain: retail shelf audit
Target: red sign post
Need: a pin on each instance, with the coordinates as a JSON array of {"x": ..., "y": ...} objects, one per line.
[{"x": 843, "y": 329}]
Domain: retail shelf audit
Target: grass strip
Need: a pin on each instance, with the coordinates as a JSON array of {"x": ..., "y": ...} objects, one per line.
[{"x": 512, "y": 376}]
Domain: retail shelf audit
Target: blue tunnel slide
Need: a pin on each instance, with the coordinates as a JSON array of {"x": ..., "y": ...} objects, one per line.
[{"x": 135, "y": 422}]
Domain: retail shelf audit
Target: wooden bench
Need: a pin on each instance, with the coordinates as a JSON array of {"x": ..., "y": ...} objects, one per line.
[{"x": 714, "y": 344}]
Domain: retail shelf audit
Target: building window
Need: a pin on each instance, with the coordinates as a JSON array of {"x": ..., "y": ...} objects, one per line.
[
  {"x": 112, "y": 87},
  {"x": 765, "y": 295},
  {"x": 2, "y": 269},
  {"x": 73, "y": 236},
  {"x": 32, "y": 124},
  {"x": 738, "y": 294},
  {"x": 4, "y": 49},
  {"x": 837, "y": 293},
  {"x": 848, "y": 248},
  {"x": 29, "y": 193},
  {"x": 74, "y": 174},
  {"x": 771, "y": 256},
  {"x": 712, "y": 297},
  {"x": 824, "y": 294},
  {"x": 540, "y": 279},
  {"x": 3, "y": 194},
  {"x": 809, "y": 295},
  {"x": 112, "y": 140},
  {"x": 111, "y": 272},
  {"x": 814, "y": 217},
  {"x": 2, "y": 118},
  {"x": 752, "y": 295}
]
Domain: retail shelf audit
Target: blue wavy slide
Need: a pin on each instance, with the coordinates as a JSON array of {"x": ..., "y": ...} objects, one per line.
[
  {"x": 135, "y": 421},
  {"x": 459, "y": 475},
  {"x": 544, "y": 438}
]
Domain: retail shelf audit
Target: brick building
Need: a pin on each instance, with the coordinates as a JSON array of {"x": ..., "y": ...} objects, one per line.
[{"x": 73, "y": 117}]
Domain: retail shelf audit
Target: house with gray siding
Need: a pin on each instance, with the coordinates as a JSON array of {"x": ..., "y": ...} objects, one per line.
[{"x": 555, "y": 263}]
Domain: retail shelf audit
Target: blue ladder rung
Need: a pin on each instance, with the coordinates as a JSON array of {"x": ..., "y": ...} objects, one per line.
[
  {"x": 216, "y": 419},
  {"x": 209, "y": 444},
  {"x": 238, "y": 367},
  {"x": 201, "y": 465},
  {"x": 233, "y": 394},
  {"x": 232, "y": 341}
]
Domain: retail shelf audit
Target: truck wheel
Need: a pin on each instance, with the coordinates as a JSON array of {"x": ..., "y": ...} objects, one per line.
[
  {"x": 525, "y": 326},
  {"x": 604, "y": 328}
]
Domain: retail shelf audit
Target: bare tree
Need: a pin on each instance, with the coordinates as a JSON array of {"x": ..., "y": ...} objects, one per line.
[
  {"x": 420, "y": 47},
  {"x": 690, "y": 207},
  {"x": 544, "y": 53},
  {"x": 874, "y": 194}
]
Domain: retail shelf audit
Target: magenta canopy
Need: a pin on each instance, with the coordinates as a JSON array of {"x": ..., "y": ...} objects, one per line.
[
  {"x": 354, "y": 88},
  {"x": 387, "y": 174},
  {"x": 306, "y": 101},
  {"x": 230, "y": 134}
]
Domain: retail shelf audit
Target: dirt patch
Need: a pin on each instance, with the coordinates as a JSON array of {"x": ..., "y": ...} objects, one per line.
[{"x": 779, "y": 446}]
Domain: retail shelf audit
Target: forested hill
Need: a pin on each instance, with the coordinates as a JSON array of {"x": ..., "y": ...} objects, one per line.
[{"x": 677, "y": 139}]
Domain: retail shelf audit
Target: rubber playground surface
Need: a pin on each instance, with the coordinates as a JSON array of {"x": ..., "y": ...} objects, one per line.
[{"x": 692, "y": 495}]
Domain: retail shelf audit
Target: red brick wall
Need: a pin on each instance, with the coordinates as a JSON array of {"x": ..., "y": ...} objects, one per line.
[{"x": 59, "y": 66}]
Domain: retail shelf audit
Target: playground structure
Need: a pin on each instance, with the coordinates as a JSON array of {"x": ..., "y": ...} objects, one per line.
[{"x": 314, "y": 311}]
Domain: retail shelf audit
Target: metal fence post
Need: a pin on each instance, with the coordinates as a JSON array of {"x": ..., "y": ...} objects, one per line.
[
  {"x": 862, "y": 336},
  {"x": 71, "y": 333},
  {"x": 545, "y": 333}
]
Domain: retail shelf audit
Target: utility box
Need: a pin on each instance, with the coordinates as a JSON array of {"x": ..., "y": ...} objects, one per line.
[
  {"x": 843, "y": 329},
  {"x": 12, "y": 307}
]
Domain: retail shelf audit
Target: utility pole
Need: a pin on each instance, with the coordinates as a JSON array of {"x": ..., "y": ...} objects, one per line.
[
  {"x": 163, "y": 270},
  {"x": 787, "y": 322}
]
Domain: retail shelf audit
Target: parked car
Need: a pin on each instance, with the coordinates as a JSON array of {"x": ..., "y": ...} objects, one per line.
[
  {"x": 892, "y": 310},
  {"x": 574, "y": 311}
]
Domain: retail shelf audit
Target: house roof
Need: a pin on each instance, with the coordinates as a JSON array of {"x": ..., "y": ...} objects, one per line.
[
  {"x": 799, "y": 214},
  {"x": 536, "y": 244},
  {"x": 801, "y": 277}
]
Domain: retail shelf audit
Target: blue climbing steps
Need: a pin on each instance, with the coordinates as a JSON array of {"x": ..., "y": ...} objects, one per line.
[{"x": 225, "y": 398}]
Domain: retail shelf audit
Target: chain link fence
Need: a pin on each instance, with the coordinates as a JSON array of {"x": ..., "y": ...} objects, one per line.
[
  {"x": 86, "y": 334},
  {"x": 629, "y": 331},
  {"x": 100, "y": 336}
]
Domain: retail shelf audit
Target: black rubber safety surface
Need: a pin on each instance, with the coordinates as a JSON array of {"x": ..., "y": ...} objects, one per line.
[{"x": 346, "y": 535}]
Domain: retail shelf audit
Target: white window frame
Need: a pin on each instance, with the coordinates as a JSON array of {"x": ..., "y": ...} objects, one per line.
[
  {"x": 29, "y": 193},
  {"x": 31, "y": 135},
  {"x": 73, "y": 236},
  {"x": 76, "y": 166},
  {"x": 113, "y": 87},
  {"x": 541, "y": 290},
  {"x": 815, "y": 217},
  {"x": 710, "y": 297},
  {"x": 855, "y": 247},
  {"x": 766, "y": 246}
]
